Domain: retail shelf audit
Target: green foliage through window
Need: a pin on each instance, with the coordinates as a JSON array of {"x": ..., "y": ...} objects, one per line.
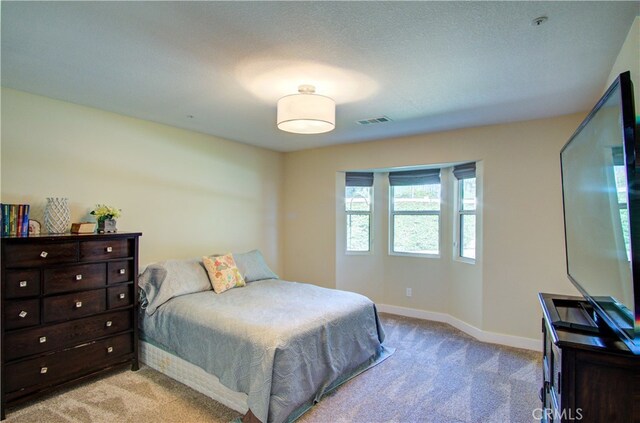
[
  {"x": 621, "y": 191},
  {"x": 358, "y": 209},
  {"x": 467, "y": 218},
  {"x": 415, "y": 211}
]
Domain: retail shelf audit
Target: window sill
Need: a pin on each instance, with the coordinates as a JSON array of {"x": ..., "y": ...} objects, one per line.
[
  {"x": 358, "y": 253},
  {"x": 415, "y": 255},
  {"x": 465, "y": 260}
]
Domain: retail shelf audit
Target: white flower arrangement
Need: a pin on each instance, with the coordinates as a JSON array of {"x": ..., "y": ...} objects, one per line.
[{"x": 103, "y": 212}]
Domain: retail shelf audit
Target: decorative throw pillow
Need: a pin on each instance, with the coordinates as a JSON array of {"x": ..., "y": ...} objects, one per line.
[{"x": 223, "y": 272}]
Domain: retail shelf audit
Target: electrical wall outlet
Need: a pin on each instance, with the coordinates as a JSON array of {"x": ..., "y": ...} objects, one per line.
[{"x": 409, "y": 293}]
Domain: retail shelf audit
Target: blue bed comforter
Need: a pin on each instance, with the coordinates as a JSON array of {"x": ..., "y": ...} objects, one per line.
[{"x": 282, "y": 343}]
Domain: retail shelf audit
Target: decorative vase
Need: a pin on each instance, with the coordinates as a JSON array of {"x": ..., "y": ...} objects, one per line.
[
  {"x": 107, "y": 226},
  {"x": 57, "y": 216}
]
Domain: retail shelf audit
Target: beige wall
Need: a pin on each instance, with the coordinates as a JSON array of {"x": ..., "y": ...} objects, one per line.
[
  {"x": 522, "y": 229},
  {"x": 466, "y": 286},
  {"x": 190, "y": 194},
  {"x": 629, "y": 60},
  {"x": 383, "y": 277}
]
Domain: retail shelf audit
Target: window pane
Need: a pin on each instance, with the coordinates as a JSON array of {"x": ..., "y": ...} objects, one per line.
[
  {"x": 357, "y": 199},
  {"x": 416, "y": 234},
  {"x": 358, "y": 232},
  {"x": 416, "y": 197},
  {"x": 624, "y": 221},
  {"x": 468, "y": 236},
  {"x": 621, "y": 189},
  {"x": 468, "y": 194},
  {"x": 621, "y": 183}
]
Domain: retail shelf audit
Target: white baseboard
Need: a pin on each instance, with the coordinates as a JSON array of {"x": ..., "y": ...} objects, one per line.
[{"x": 480, "y": 335}]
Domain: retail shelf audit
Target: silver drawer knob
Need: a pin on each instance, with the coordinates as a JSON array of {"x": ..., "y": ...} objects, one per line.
[
  {"x": 78, "y": 277},
  {"x": 121, "y": 296},
  {"x": 109, "y": 350},
  {"x": 23, "y": 284},
  {"x": 44, "y": 254},
  {"x": 78, "y": 304},
  {"x": 43, "y": 370},
  {"x": 43, "y": 339},
  {"x": 109, "y": 249},
  {"x": 23, "y": 314},
  {"x": 109, "y": 323},
  {"x": 122, "y": 271}
]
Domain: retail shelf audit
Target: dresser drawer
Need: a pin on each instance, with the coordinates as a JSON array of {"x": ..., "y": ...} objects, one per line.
[
  {"x": 119, "y": 296},
  {"x": 74, "y": 305},
  {"x": 31, "y": 255},
  {"x": 103, "y": 250},
  {"x": 120, "y": 271},
  {"x": 556, "y": 371},
  {"x": 53, "y": 337},
  {"x": 21, "y": 314},
  {"x": 22, "y": 283},
  {"x": 75, "y": 277},
  {"x": 74, "y": 362}
]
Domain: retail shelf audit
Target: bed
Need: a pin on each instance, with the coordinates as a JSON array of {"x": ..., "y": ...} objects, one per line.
[{"x": 271, "y": 348}]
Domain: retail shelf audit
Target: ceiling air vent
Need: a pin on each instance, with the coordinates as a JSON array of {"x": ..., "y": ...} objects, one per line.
[{"x": 381, "y": 119}]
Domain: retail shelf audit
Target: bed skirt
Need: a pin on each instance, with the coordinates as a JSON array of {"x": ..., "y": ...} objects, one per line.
[
  {"x": 209, "y": 385},
  {"x": 192, "y": 376}
]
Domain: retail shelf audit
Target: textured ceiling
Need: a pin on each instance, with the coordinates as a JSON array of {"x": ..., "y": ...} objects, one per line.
[{"x": 219, "y": 67}]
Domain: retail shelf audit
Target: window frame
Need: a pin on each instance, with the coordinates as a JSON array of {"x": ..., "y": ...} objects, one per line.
[
  {"x": 460, "y": 212},
  {"x": 393, "y": 213},
  {"x": 348, "y": 214}
]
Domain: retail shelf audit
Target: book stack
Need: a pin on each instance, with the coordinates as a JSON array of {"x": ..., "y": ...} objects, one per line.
[{"x": 15, "y": 219}]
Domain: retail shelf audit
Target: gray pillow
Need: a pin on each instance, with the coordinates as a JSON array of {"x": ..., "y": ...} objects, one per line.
[
  {"x": 253, "y": 267},
  {"x": 164, "y": 280}
]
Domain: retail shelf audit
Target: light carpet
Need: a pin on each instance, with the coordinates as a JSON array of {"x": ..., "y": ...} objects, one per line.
[{"x": 437, "y": 374}]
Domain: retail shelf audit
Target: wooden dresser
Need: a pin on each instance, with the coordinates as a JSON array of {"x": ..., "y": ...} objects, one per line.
[
  {"x": 589, "y": 375},
  {"x": 69, "y": 310}
]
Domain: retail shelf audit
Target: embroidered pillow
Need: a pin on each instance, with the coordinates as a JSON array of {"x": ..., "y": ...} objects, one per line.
[{"x": 223, "y": 272}]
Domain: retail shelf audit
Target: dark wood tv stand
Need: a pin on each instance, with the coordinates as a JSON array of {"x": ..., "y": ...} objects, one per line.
[{"x": 588, "y": 374}]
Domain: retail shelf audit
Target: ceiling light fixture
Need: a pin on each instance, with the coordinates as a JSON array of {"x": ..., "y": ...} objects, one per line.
[{"x": 306, "y": 112}]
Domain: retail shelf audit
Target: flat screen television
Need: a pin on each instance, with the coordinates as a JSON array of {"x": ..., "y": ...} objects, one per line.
[{"x": 601, "y": 198}]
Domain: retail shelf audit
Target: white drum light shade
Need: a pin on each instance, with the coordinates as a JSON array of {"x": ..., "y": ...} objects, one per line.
[{"x": 306, "y": 112}]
